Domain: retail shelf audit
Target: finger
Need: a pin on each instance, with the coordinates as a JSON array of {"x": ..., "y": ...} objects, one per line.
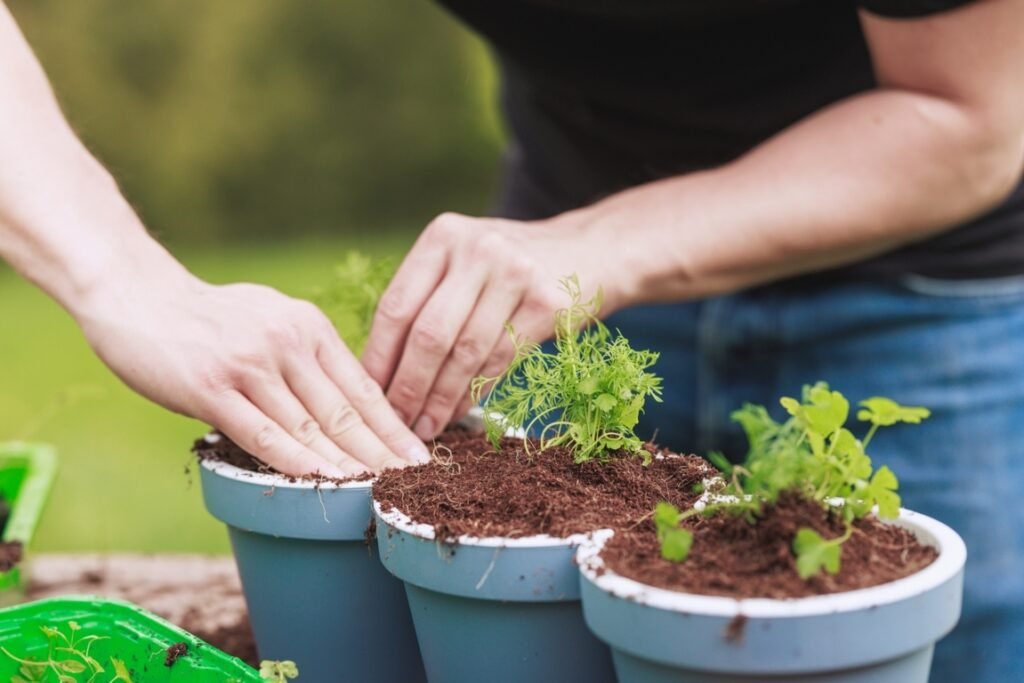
[
  {"x": 339, "y": 420},
  {"x": 430, "y": 342},
  {"x": 278, "y": 402},
  {"x": 246, "y": 425},
  {"x": 479, "y": 339},
  {"x": 417, "y": 276},
  {"x": 366, "y": 396}
]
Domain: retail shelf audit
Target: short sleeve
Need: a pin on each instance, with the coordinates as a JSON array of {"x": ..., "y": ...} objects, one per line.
[{"x": 908, "y": 9}]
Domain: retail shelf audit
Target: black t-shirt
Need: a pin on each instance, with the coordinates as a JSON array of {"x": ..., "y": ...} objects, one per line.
[{"x": 601, "y": 95}]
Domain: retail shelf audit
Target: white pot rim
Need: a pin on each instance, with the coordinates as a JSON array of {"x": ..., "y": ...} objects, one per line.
[
  {"x": 952, "y": 555},
  {"x": 271, "y": 480},
  {"x": 401, "y": 521}
]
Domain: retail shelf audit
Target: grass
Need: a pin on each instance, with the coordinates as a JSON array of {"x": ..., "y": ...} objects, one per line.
[{"x": 122, "y": 484}]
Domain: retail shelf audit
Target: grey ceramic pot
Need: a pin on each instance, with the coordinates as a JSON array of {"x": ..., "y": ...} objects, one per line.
[
  {"x": 883, "y": 634},
  {"x": 493, "y": 609},
  {"x": 316, "y": 592}
]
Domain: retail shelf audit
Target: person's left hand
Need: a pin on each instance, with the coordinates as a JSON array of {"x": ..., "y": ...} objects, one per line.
[{"x": 441, "y": 321}]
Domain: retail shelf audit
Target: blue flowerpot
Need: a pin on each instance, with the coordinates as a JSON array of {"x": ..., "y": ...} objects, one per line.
[
  {"x": 883, "y": 634},
  {"x": 493, "y": 609},
  {"x": 316, "y": 592}
]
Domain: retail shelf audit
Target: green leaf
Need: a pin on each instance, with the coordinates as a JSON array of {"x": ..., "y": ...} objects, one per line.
[
  {"x": 814, "y": 553},
  {"x": 71, "y": 666},
  {"x": 605, "y": 402},
  {"x": 885, "y": 412},
  {"x": 882, "y": 491},
  {"x": 121, "y": 671},
  {"x": 719, "y": 460},
  {"x": 827, "y": 411},
  {"x": 676, "y": 544},
  {"x": 666, "y": 516}
]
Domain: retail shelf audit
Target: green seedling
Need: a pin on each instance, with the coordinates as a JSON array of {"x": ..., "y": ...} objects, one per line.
[
  {"x": 588, "y": 393},
  {"x": 68, "y": 660},
  {"x": 813, "y": 454},
  {"x": 350, "y": 299},
  {"x": 278, "y": 672}
]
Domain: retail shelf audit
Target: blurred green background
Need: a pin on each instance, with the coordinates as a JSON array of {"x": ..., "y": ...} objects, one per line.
[{"x": 259, "y": 140}]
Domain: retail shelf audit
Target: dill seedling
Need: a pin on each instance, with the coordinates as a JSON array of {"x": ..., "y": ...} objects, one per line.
[
  {"x": 812, "y": 454},
  {"x": 350, "y": 299},
  {"x": 587, "y": 394}
]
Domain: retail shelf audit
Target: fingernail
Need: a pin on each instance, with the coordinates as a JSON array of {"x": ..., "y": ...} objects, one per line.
[
  {"x": 424, "y": 428},
  {"x": 418, "y": 453}
]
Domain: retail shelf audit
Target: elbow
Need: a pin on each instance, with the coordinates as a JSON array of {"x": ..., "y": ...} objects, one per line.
[{"x": 990, "y": 167}]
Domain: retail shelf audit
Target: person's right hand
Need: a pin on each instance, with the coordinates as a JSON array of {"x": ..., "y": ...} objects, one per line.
[{"x": 267, "y": 370}]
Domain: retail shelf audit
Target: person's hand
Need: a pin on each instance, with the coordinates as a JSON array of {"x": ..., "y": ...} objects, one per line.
[
  {"x": 267, "y": 370},
  {"x": 442, "y": 319}
]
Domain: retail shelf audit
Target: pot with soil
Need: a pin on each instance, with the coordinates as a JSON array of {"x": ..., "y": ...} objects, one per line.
[
  {"x": 484, "y": 535},
  {"x": 315, "y": 590},
  {"x": 27, "y": 472},
  {"x": 803, "y": 567}
]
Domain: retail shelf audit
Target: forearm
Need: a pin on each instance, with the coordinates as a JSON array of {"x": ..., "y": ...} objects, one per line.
[
  {"x": 862, "y": 177},
  {"x": 63, "y": 223}
]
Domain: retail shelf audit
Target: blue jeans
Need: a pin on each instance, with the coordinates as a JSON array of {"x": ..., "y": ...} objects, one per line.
[{"x": 954, "y": 347}]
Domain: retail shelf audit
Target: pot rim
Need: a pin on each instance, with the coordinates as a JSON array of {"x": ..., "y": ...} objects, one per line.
[
  {"x": 281, "y": 481},
  {"x": 951, "y": 559},
  {"x": 402, "y": 522}
]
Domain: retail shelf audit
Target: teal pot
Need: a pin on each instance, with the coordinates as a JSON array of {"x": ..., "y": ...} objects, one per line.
[
  {"x": 316, "y": 592},
  {"x": 493, "y": 609},
  {"x": 883, "y": 634}
]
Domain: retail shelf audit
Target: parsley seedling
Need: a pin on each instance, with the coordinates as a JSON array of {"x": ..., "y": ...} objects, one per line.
[
  {"x": 588, "y": 393},
  {"x": 812, "y": 454},
  {"x": 278, "y": 672}
]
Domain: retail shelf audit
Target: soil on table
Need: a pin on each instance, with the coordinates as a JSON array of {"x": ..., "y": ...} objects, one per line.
[
  {"x": 201, "y": 594},
  {"x": 472, "y": 488},
  {"x": 732, "y": 557},
  {"x": 175, "y": 652},
  {"x": 218, "y": 447},
  {"x": 10, "y": 555}
]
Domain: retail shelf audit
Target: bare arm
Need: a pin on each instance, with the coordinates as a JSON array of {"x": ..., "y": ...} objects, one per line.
[
  {"x": 267, "y": 370},
  {"x": 940, "y": 140}
]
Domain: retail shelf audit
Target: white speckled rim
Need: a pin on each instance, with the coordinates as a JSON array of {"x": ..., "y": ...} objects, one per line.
[
  {"x": 952, "y": 555},
  {"x": 267, "y": 480},
  {"x": 402, "y": 522}
]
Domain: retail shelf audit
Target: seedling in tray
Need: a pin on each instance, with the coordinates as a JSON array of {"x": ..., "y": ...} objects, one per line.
[
  {"x": 587, "y": 394},
  {"x": 811, "y": 454}
]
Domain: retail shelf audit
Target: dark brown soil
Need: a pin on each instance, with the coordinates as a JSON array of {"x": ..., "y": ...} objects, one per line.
[
  {"x": 174, "y": 652},
  {"x": 218, "y": 447},
  {"x": 734, "y": 558},
  {"x": 236, "y": 639},
  {"x": 469, "y": 488},
  {"x": 10, "y": 555}
]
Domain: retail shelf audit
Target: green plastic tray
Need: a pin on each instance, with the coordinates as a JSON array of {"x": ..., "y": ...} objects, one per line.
[
  {"x": 26, "y": 475},
  {"x": 132, "y": 635}
]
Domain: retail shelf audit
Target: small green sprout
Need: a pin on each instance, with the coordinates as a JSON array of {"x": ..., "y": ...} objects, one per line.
[
  {"x": 675, "y": 542},
  {"x": 350, "y": 299},
  {"x": 68, "y": 660},
  {"x": 278, "y": 672},
  {"x": 815, "y": 455},
  {"x": 588, "y": 393}
]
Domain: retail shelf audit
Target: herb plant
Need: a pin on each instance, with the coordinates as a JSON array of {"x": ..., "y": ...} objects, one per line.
[
  {"x": 350, "y": 299},
  {"x": 278, "y": 672},
  {"x": 813, "y": 454},
  {"x": 68, "y": 660},
  {"x": 588, "y": 393}
]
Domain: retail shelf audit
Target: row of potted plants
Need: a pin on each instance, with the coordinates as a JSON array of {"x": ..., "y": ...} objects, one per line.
[{"x": 525, "y": 551}]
